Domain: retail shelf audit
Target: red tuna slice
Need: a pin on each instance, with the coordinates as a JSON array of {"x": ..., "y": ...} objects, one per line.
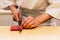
[{"x": 14, "y": 28}]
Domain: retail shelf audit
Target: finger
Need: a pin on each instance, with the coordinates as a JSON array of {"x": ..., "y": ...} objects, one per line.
[
  {"x": 34, "y": 25},
  {"x": 20, "y": 17},
  {"x": 14, "y": 18},
  {"x": 30, "y": 24},
  {"x": 27, "y": 22},
  {"x": 17, "y": 18}
]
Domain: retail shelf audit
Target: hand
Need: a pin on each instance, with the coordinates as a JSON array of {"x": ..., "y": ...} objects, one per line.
[
  {"x": 16, "y": 15},
  {"x": 30, "y": 22}
]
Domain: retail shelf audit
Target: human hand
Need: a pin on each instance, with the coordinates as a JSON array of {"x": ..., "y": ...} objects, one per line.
[
  {"x": 16, "y": 13},
  {"x": 30, "y": 22}
]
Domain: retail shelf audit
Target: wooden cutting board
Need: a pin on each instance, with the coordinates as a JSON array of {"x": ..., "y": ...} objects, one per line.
[{"x": 39, "y": 33}]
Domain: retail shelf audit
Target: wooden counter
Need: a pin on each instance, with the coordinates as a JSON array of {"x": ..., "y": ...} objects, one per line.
[{"x": 39, "y": 33}]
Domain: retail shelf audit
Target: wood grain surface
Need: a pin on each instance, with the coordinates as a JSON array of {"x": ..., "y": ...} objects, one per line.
[{"x": 39, "y": 33}]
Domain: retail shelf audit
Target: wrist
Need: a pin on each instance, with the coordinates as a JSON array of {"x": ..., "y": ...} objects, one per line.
[
  {"x": 44, "y": 17},
  {"x": 38, "y": 19},
  {"x": 12, "y": 7}
]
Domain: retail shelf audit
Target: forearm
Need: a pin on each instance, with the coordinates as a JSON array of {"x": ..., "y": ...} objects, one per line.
[{"x": 44, "y": 17}]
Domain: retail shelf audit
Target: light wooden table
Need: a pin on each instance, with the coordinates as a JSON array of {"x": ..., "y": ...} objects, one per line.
[{"x": 39, "y": 33}]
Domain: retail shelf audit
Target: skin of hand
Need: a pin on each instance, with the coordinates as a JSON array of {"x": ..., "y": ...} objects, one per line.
[
  {"x": 31, "y": 22},
  {"x": 15, "y": 12}
]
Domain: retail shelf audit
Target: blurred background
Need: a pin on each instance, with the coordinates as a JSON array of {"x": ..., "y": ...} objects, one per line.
[{"x": 6, "y": 18}]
